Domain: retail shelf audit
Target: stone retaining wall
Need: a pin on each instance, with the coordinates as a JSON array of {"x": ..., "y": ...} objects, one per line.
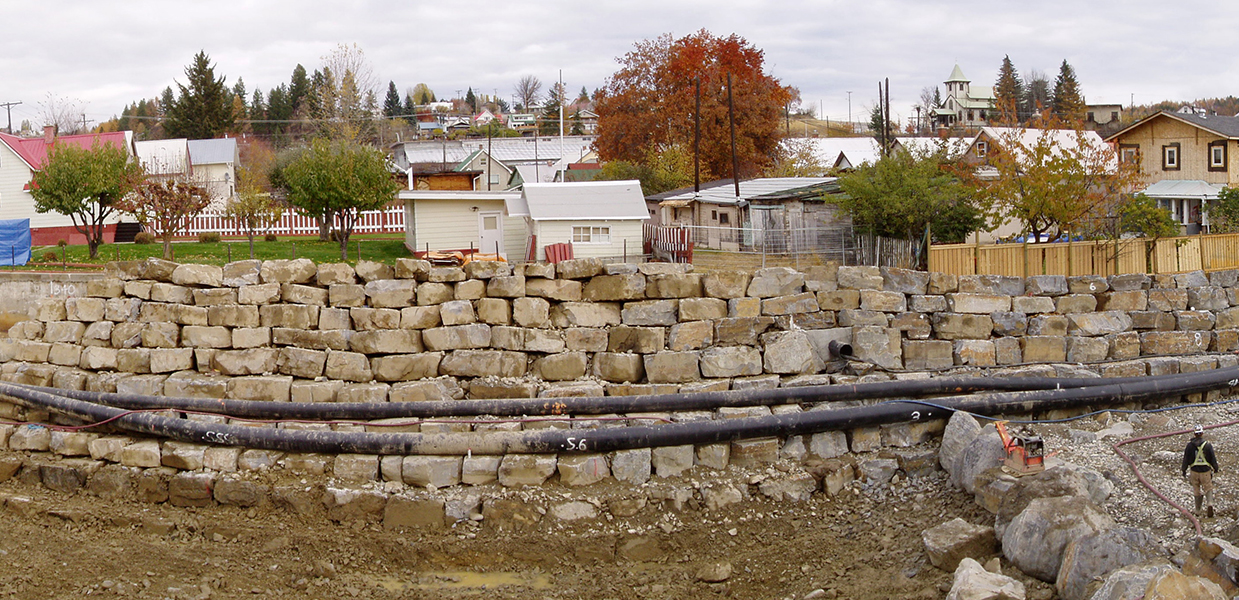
[{"x": 296, "y": 331}]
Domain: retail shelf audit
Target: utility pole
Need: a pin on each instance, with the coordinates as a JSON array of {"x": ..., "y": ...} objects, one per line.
[
  {"x": 83, "y": 122},
  {"x": 850, "y": 110},
  {"x": 8, "y": 107}
]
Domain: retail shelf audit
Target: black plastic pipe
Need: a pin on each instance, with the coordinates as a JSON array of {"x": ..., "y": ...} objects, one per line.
[
  {"x": 623, "y": 438},
  {"x": 596, "y": 405}
]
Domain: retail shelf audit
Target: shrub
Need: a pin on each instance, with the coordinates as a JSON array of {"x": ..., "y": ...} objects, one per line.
[
  {"x": 51, "y": 256},
  {"x": 62, "y": 243},
  {"x": 144, "y": 237},
  {"x": 270, "y": 237},
  {"x": 208, "y": 238}
]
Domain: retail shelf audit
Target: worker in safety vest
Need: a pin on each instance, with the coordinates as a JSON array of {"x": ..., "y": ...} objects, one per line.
[{"x": 1199, "y": 458}]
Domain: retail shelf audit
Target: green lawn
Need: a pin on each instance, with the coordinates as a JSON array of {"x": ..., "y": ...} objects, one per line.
[{"x": 378, "y": 247}]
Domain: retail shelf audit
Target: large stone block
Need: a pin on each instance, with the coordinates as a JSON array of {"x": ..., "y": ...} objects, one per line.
[
  {"x": 333, "y": 273},
  {"x": 301, "y": 362},
  {"x": 978, "y": 303},
  {"x": 1124, "y": 301},
  {"x": 387, "y": 341},
  {"x": 774, "y": 282},
  {"x": 566, "y": 366},
  {"x": 998, "y": 285},
  {"x": 1167, "y": 299},
  {"x": 431, "y": 471},
  {"x": 301, "y": 270},
  {"x": 641, "y": 340},
  {"x": 953, "y": 326},
  {"x": 1048, "y": 325},
  {"x": 702, "y": 309},
  {"x": 730, "y": 361},
  {"x": 649, "y": 313},
  {"x": 1194, "y": 320},
  {"x": 562, "y": 290},
  {"x": 406, "y": 367},
  {"x": 476, "y": 335},
  {"x": 585, "y": 314},
  {"x": 604, "y": 288},
  {"x": 1155, "y": 343},
  {"x": 672, "y": 367},
  {"x": 1100, "y": 323},
  {"x": 790, "y": 352},
  {"x": 517, "y": 470},
  {"x": 87, "y": 310},
  {"x": 1075, "y": 303},
  {"x": 927, "y": 354},
  {"x": 904, "y": 281},
  {"x": 483, "y": 363},
  {"x": 1032, "y": 304},
  {"x": 673, "y": 285},
  {"x": 980, "y": 353},
  {"x": 292, "y": 316},
  {"x": 1043, "y": 348},
  {"x": 263, "y": 388},
  {"x": 1046, "y": 285},
  {"x": 348, "y": 366},
  {"x": 725, "y": 284},
  {"x": 413, "y": 317},
  {"x": 531, "y": 312},
  {"x": 692, "y": 335},
  {"x": 1087, "y": 349},
  {"x": 391, "y": 293},
  {"x": 860, "y": 278}
]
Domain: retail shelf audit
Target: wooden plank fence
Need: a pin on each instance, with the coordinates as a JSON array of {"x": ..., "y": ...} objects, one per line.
[
  {"x": 674, "y": 244},
  {"x": 1106, "y": 257}
]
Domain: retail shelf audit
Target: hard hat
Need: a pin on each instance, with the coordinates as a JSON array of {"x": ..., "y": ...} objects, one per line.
[{"x": 1198, "y": 430}]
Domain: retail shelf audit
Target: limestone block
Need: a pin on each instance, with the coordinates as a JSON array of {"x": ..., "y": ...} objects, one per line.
[
  {"x": 251, "y": 361},
  {"x": 562, "y": 290},
  {"x": 605, "y": 288},
  {"x": 476, "y": 335},
  {"x": 671, "y": 461},
  {"x": 469, "y": 289},
  {"x": 1162, "y": 343},
  {"x": 978, "y": 303},
  {"x": 50, "y": 309},
  {"x": 1046, "y": 285},
  {"x": 98, "y": 358},
  {"x": 433, "y": 293},
  {"x": 904, "y": 281},
  {"x": 776, "y": 281},
  {"x": 172, "y": 294},
  {"x": 743, "y": 307},
  {"x": 107, "y": 287},
  {"x": 649, "y": 313},
  {"x": 478, "y": 469},
  {"x": 674, "y": 285},
  {"x": 348, "y": 366},
  {"x": 259, "y": 294},
  {"x": 1167, "y": 299},
  {"x": 391, "y": 293},
  {"x": 579, "y": 268},
  {"x": 953, "y": 326},
  {"x": 1125, "y": 301},
  {"x": 206, "y": 337},
  {"x": 182, "y": 455},
  {"x": 1043, "y": 348},
  {"x": 672, "y": 367},
  {"x": 979, "y": 353},
  {"x": 1194, "y": 320},
  {"x": 1009, "y": 323},
  {"x": 356, "y": 468},
  {"x": 292, "y": 316},
  {"x": 576, "y": 470},
  {"x": 406, "y": 367},
  {"x": 1032, "y": 304},
  {"x": 509, "y": 286},
  {"x": 632, "y": 466},
  {"x": 333, "y": 273},
  {"x": 413, "y": 317},
  {"x": 518, "y": 470},
  {"x": 301, "y": 270},
  {"x": 730, "y": 361},
  {"x": 725, "y": 284},
  {"x": 692, "y": 335},
  {"x": 860, "y": 278},
  {"x": 1191, "y": 279},
  {"x": 144, "y": 454},
  {"x": 494, "y": 311},
  {"x": 431, "y": 471},
  {"x": 1075, "y": 303},
  {"x": 386, "y": 341},
  {"x": 702, "y": 309},
  {"x": 790, "y": 352},
  {"x": 1000, "y": 285},
  {"x": 754, "y": 452},
  {"x": 619, "y": 367},
  {"x": 566, "y": 366},
  {"x": 265, "y": 388},
  {"x": 531, "y": 312},
  {"x": 641, "y": 340},
  {"x": 540, "y": 340},
  {"x": 483, "y": 363},
  {"x": 1048, "y": 325},
  {"x": 69, "y": 332},
  {"x": 1152, "y": 319},
  {"x": 585, "y": 314},
  {"x": 586, "y": 339},
  {"x": 863, "y": 318},
  {"x": 301, "y": 362},
  {"x": 167, "y": 360},
  {"x": 1099, "y": 323},
  {"x": 839, "y": 300},
  {"x": 1035, "y": 539},
  {"x": 346, "y": 295},
  {"x": 805, "y": 302},
  {"x": 87, "y": 310},
  {"x": 1087, "y": 349}
]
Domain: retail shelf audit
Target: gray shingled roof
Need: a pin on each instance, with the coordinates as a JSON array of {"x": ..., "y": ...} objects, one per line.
[{"x": 1225, "y": 126}]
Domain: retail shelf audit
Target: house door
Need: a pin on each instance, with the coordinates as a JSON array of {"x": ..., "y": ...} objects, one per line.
[{"x": 490, "y": 233}]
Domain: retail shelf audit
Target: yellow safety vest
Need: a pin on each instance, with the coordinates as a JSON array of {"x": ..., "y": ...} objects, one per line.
[{"x": 1201, "y": 461}]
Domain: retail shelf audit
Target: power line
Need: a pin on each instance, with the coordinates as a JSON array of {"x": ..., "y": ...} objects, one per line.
[{"x": 8, "y": 107}]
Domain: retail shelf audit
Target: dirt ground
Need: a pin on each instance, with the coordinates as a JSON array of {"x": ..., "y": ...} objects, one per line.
[{"x": 864, "y": 543}]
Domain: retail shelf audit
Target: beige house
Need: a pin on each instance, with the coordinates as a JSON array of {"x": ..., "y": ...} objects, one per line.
[
  {"x": 1186, "y": 158},
  {"x": 448, "y": 220}
]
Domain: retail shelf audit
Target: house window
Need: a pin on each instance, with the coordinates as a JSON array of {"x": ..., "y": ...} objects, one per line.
[
  {"x": 724, "y": 219},
  {"x": 591, "y": 235},
  {"x": 1114, "y": 115},
  {"x": 1091, "y": 118},
  {"x": 982, "y": 149},
  {"x": 1170, "y": 157},
  {"x": 714, "y": 215},
  {"x": 1129, "y": 153},
  {"x": 1217, "y": 156}
]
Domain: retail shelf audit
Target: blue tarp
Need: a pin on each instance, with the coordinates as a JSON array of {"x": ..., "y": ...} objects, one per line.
[{"x": 14, "y": 242}]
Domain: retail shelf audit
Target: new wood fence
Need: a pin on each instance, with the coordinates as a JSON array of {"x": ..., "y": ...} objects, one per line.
[
  {"x": 1169, "y": 255},
  {"x": 387, "y": 220}
]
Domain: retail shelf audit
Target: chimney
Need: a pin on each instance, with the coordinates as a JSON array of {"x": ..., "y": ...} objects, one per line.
[{"x": 49, "y": 133}]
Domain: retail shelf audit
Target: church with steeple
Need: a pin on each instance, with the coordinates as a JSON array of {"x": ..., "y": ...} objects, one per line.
[{"x": 964, "y": 105}]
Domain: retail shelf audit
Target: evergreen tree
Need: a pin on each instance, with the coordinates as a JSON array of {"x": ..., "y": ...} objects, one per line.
[
  {"x": 1009, "y": 95},
  {"x": 203, "y": 110},
  {"x": 238, "y": 90},
  {"x": 391, "y": 104},
  {"x": 298, "y": 89},
  {"x": 166, "y": 99},
  {"x": 1036, "y": 92},
  {"x": 471, "y": 100},
  {"x": 1068, "y": 102},
  {"x": 549, "y": 122},
  {"x": 410, "y": 107},
  {"x": 583, "y": 96}
]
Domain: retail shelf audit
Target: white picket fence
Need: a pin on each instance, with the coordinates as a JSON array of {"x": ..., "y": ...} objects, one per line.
[{"x": 388, "y": 220}]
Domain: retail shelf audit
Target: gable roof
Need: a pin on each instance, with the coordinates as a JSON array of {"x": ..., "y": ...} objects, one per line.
[
  {"x": 213, "y": 152},
  {"x": 1227, "y": 127},
  {"x": 163, "y": 157},
  {"x": 723, "y": 191},
  {"x": 585, "y": 200},
  {"x": 33, "y": 151},
  {"x": 1183, "y": 188}
]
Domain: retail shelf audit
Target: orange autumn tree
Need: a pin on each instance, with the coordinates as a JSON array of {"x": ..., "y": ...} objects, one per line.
[
  {"x": 649, "y": 104},
  {"x": 167, "y": 205}
]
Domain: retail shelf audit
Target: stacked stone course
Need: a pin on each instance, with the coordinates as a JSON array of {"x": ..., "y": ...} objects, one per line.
[{"x": 293, "y": 331}]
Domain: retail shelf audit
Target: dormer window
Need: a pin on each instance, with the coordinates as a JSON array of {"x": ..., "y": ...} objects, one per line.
[
  {"x": 982, "y": 149},
  {"x": 1170, "y": 157}
]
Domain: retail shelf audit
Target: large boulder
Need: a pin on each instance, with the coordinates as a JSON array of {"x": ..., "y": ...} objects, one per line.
[
  {"x": 951, "y": 542},
  {"x": 983, "y": 453},
  {"x": 1035, "y": 539},
  {"x": 1063, "y": 480},
  {"x": 973, "y": 582},
  {"x": 1090, "y": 557},
  {"x": 960, "y": 430},
  {"x": 1130, "y": 582},
  {"x": 1173, "y": 585}
]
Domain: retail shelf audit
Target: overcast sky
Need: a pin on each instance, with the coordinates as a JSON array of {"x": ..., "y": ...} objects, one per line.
[{"x": 107, "y": 53}]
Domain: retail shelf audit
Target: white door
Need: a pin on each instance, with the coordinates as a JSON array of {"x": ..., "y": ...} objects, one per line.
[{"x": 490, "y": 233}]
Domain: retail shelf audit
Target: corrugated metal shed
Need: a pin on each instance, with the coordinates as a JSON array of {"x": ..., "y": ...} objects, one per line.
[{"x": 585, "y": 200}]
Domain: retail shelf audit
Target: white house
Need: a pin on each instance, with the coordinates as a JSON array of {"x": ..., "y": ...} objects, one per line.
[
  {"x": 164, "y": 158},
  {"x": 214, "y": 164},
  {"x": 599, "y": 218},
  {"x": 20, "y": 158},
  {"x": 462, "y": 220},
  {"x": 964, "y": 104}
]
